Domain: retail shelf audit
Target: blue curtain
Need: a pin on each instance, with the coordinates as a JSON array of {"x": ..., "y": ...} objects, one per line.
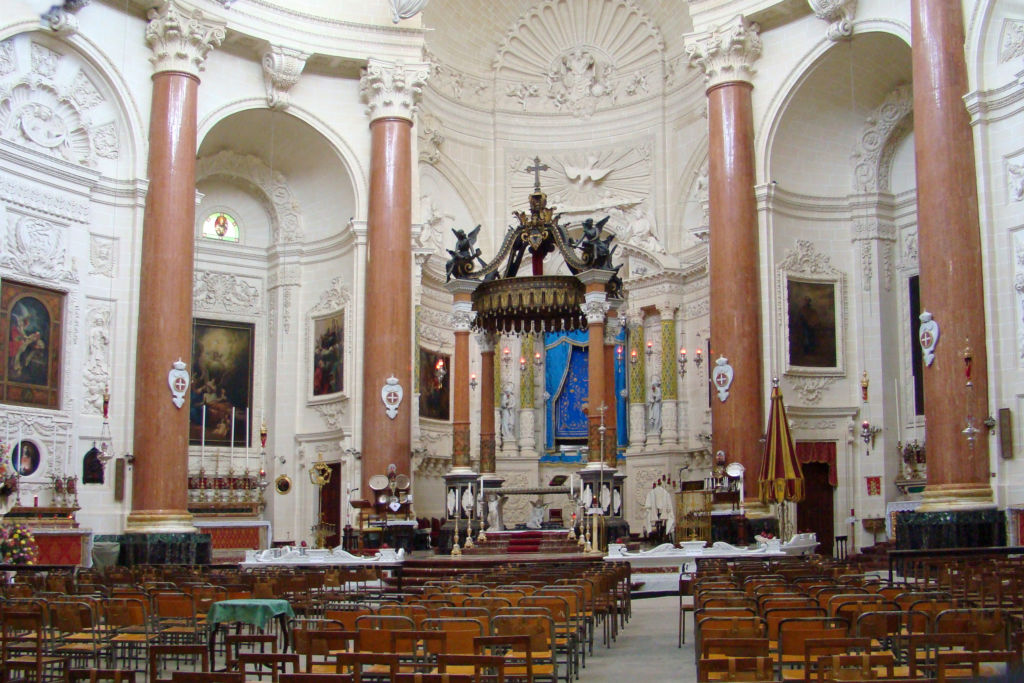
[
  {"x": 565, "y": 381},
  {"x": 621, "y": 395}
]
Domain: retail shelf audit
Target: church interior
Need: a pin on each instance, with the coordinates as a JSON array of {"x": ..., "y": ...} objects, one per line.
[{"x": 330, "y": 274}]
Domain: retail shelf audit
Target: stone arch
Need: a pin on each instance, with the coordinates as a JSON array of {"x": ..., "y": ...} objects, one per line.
[{"x": 285, "y": 213}]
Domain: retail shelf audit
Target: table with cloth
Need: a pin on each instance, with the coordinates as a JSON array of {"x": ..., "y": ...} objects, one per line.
[{"x": 253, "y": 611}]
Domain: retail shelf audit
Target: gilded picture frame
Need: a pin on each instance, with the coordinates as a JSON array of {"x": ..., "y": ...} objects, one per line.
[{"x": 31, "y": 332}]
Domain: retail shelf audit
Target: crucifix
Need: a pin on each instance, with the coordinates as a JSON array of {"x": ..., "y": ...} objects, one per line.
[{"x": 535, "y": 170}]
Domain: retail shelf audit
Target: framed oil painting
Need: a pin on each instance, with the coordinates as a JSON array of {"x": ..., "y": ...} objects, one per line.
[
  {"x": 328, "y": 371},
  {"x": 811, "y": 305},
  {"x": 435, "y": 375},
  {"x": 811, "y": 312},
  {"x": 31, "y": 320},
  {"x": 221, "y": 390}
]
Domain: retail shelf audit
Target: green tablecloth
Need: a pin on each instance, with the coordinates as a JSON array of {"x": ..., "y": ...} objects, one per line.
[{"x": 252, "y": 611}]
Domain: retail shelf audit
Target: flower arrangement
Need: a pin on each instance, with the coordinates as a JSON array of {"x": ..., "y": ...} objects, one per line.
[{"x": 17, "y": 545}]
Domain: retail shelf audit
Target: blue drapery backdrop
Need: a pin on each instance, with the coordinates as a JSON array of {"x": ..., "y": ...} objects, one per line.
[{"x": 565, "y": 383}]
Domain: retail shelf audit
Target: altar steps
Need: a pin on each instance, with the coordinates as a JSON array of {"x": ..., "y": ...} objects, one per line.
[
  {"x": 416, "y": 571},
  {"x": 545, "y": 541}
]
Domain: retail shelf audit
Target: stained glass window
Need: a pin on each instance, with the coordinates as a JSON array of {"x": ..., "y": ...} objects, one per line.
[{"x": 220, "y": 226}]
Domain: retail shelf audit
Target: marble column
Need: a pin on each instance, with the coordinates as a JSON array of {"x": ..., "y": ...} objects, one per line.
[
  {"x": 462, "y": 322},
  {"x": 611, "y": 441},
  {"x": 949, "y": 244},
  {"x": 595, "y": 308},
  {"x": 485, "y": 341},
  {"x": 180, "y": 43},
  {"x": 636, "y": 360},
  {"x": 669, "y": 377},
  {"x": 527, "y": 386},
  {"x": 391, "y": 91},
  {"x": 726, "y": 55}
]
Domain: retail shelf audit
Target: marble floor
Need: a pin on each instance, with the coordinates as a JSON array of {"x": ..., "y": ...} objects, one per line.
[{"x": 646, "y": 649}]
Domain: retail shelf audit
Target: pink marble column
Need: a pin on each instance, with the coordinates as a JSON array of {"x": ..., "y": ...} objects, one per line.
[
  {"x": 160, "y": 447},
  {"x": 596, "y": 309},
  {"x": 949, "y": 252},
  {"x": 487, "y": 459},
  {"x": 726, "y": 55},
  {"x": 390, "y": 91},
  {"x": 462, "y": 319}
]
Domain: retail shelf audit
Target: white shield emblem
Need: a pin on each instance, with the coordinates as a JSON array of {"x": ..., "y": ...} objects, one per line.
[
  {"x": 722, "y": 377},
  {"x": 928, "y": 335},
  {"x": 178, "y": 381},
  {"x": 391, "y": 393}
]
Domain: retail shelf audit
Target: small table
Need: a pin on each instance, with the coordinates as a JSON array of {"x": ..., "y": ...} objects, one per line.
[{"x": 249, "y": 611}]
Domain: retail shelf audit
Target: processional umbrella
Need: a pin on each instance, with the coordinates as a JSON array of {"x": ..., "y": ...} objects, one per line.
[{"x": 780, "y": 478}]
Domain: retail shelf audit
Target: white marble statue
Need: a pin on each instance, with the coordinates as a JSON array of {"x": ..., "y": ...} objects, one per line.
[
  {"x": 654, "y": 408},
  {"x": 495, "y": 503},
  {"x": 508, "y": 412},
  {"x": 537, "y": 513}
]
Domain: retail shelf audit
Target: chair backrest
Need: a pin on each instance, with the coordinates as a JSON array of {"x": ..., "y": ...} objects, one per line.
[
  {"x": 317, "y": 678},
  {"x": 208, "y": 677},
  {"x": 976, "y": 665},
  {"x": 735, "y": 669},
  {"x": 734, "y": 647},
  {"x": 774, "y": 616},
  {"x": 415, "y": 612},
  {"x": 372, "y": 631},
  {"x": 460, "y": 631},
  {"x": 862, "y": 667},
  {"x": 989, "y": 623},
  {"x": 922, "y": 649},
  {"x": 96, "y": 675},
  {"x": 794, "y": 633},
  {"x": 276, "y": 662},
  {"x": 540, "y": 629},
  {"x": 195, "y": 652}
]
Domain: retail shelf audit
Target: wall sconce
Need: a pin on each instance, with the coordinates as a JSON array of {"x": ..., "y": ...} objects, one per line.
[
  {"x": 472, "y": 381},
  {"x": 522, "y": 364},
  {"x": 682, "y": 362},
  {"x": 618, "y": 352},
  {"x": 867, "y": 433},
  {"x": 699, "y": 359},
  {"x": 537, "y": 358},
  {"x": 506, "y": 357},
  {"x": 650, "y": 348},
  {"x": 439, "y": 371},
  {"x": 633, "y": 356}
]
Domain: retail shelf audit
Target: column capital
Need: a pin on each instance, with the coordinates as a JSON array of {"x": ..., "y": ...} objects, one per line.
[
  {"x": 180, "y": 39},
  {"x": 392, "y": 89},
  {"x": 726, "y": 54},
  {"x": 485, "y": 342},
  {"x": 595, "y": 307},
  {"x": 463, "y": 316},
  {"x": 282, "y": 67}
]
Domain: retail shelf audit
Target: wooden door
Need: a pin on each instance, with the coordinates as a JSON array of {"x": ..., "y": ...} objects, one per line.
[
  {"x": 815, "y": 512},
  {"x": 330, "y": 505}
]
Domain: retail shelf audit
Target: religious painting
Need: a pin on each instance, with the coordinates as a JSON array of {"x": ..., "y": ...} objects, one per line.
[
  {"x": 30, "y": 335},
  {"x": 221, "y": 226},
  {"x": 435, "y": 372},
  {"x": 25, "y": 458},
  {"x": 812, "y": 322},
  {"x": 328, "y": 354},
  {"x": 221, "y": 389}
]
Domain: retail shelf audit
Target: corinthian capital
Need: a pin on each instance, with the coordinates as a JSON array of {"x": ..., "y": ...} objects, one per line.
[
  {"x": 595, "y": 307},
  {"x": 726, "y": 54},
  {"x": 282, "y": 67},
  {"x": 392, "y": 88},
  {"x": 179, "y": 39}
]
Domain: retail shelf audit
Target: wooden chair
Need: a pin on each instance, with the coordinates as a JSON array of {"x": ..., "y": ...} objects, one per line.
[
  {"x": 862, "y": 667},
  {"x": 317, "y": 678},
  {"x": 25, "y": 644},
  {"x": 921, "y": 650},
  {"x": 461, "y": 631},
  {"x": 953, "y": 666},
  {"x": 515, "y": 650},
  {"x": 237, "y": 643},
  {"x": 257, "y": 664},
  {"x": 372, "y": 631},
  {"x": 207, "y": 677},
  {"x": 816, "y": 648},
  {"x": 989, "y": 623},
  {"x": 77, "y": 636},
  {"x": 794, "y": 633},
  {"x": 735, "y": 669},
  {"x": 198, "y": 656},
  {"x": 98, "y": 675},
  {"x": 541, "y": 632},
  {"x": 725, "y": 648},
  {"x": 362, "y": 665},
  {"x": 317, "y": 645}
]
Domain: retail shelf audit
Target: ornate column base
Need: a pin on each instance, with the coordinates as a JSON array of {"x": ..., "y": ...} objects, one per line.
[
  {"x": 637, "y": 428},
  {"x": 669, "y": 431},
  {"x": 946, "y": 497},
  {"x": 160, "y": 522},
  {"x": 977, "y": 528}
]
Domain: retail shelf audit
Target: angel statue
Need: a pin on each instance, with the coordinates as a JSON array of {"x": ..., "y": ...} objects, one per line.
[{"x": 461, "y": 263}]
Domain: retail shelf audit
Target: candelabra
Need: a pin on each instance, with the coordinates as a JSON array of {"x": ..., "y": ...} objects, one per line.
[
  {"x": 970, "y": 431},
  {"x": 682, "y": 362},
  {"x": 868, "y": 432}
]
